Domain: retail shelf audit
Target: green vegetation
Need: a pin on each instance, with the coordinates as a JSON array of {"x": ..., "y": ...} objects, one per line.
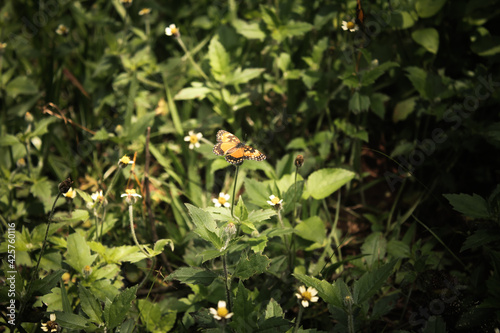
[{"x": 376, "y": 209}]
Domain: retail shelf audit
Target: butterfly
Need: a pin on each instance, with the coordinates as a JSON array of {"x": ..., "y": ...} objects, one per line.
[{"x": 235, "y": 151}]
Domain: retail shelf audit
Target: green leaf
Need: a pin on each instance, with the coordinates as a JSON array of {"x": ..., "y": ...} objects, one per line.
[
  {"x": 418, "y": 78},
  {"x": 248, "y": 30},
  {"x": 21, "y": 85},
  {"x": 480, "y": 238},
  {"x": 90, "y": 305},
  {"x": 250, "y": 266},
  {"x": 85, "y": 196},
  {"x": 371, "y": 282},
  {"x": 76, "y": 216},
  {"x": 45, "y": 285},
  {"x": 358, "y": 103},
  {"x": 206, "y": 227},
  {"x": 398, "y": 249},
  {"x": 243, "y": 308},
  {"x": 324, "y": 182},
  {"x": 78, "y": 255},
  {"x": 428, "y": 38},
  {"x": 404, "y": 109},
  {"x": 8, "y": 140},
  {"x": 192, "y": 275},
  {"x": 139, "y": 126},
  {"x": 296, "y": 28},
  {"x": 372, "y": 75},
  {"x": 326, "y": 290},
  {"x": 374, "y": 246},
  {"x": 71, "y": 321},
  {"x": 377, "y": 104},
  {"x": 486, "y": 46},
  {"x": 116, "y": 312},
  {"x": 258, "y": 244},
  {"x": 240, "y": 77},
  {"x": 192, "y": 93},
  {"x": 470, "y": 205},
  {"x": 273, "y": 309},
  {"x": 312, "y": 229},
  {"x": 155, "y": 320},
  {"x": 219, "y": 60},
  {"x": 261, "y": 215},
  {"x": 428, "y": 8}
]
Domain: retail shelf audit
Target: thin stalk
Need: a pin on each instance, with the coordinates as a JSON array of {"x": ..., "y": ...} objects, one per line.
[
  {"x": 198, "y": 68},
  {"x": 227, "y": 282},
  {"x": 131, "y": 218},
  {"x": 299, "y": 318},
  {"x": 234, "y": 189},
  {"x": 350, "y": 317}
]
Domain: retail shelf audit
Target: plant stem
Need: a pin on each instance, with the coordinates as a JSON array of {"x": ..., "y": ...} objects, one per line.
[
  {"x": 350, "y": 317},
  {"x": 181, "y": 43},
  {"x": 227, "y": 283},
  {"x": 234, "y": 189},
  {"x": 131, "y": 218},
  {"x": 299, "y": 318}
]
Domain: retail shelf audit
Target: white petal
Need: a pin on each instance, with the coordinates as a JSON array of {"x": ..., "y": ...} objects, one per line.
[
  {"x": 221, "y": 194},
  {"x": 227, "y": 205},
  {"x": 168, "y": 32},
  {"x": 221, "y": 304},
  {"x": 52, "y": 317},
  {"x": 305, "y": 303},
  {"x": 197, "y": 145},
  {"x": 187, "y": 138},
  {"x": 191, "y": 133},
  {"x": 302, "y": 289},
  {"x": 269, "y": 202},
  {"x": 212, "y": 311},
  {"x": 123, "y": 195},
  {"x": 218, "y": 204},
  {"x": 229, "y": 315},
  {"x": 314, "y": 299},
  {"x": 199, "y": 135},
  {"x": 272, "y": 196},
  {"x": 191, "y": 146},
  {"x": 215, "y": 201},
  {"x": 227, "y": 196},
  {"x": 299, "y": 296}
]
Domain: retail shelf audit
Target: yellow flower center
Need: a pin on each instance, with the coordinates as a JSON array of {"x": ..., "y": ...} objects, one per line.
[
  {"x": 69, "y": 194},
  {"x": 192, "y": 138},
  {"x": 130, "y": 191},
  {"x": 275, "y": 200},
  {"x": 222, "y": 312},
  {"x": 222, "y": 200},
  {"x": 174, "y": 32},
  {"x": 350, "y": 25},
  {"x": 125, "y": 160},
  {"x": 306, "y": 295}
]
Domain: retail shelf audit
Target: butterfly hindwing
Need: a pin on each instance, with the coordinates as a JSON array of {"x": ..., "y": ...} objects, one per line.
[{"x": 234, "y": 150}]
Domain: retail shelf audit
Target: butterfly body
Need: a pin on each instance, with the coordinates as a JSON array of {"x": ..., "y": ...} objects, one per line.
[{"x": 234, "y": 150}]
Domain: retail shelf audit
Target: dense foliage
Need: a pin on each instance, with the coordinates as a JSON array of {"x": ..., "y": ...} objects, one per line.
[{"x": 379, "y": 122}]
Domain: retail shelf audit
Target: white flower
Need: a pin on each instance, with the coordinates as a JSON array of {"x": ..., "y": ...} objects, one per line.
[
  {"x": 349, "y": 25},
  {"x": 222, "y": 200},
  {"x": 193, "y": 139},
  {"x": 62, "y": 30},
  {"x": 131, "y": 196},
  {"x": 307, "y": 296},
  {"x": 274, "y": 200},
  {"x": 172, "y": 30},
  {"x": 124, "y": 161},
  {"x": 51, "y": 325},
  {"x": 222, "y": 312},
  {"x": 71, "y": 194}
]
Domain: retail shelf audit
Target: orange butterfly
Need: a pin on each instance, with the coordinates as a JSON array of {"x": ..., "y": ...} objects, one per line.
[{"x": 235, "y": 150}]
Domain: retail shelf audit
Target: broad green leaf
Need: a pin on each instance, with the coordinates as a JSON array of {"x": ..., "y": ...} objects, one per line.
[
  {"x": 486, "y": 46},
  {"x": 480, "y": 238},
  {"x": 42, "y": 127},
  {"x": 76, "y": 216},
  {"x": 219, "y": 60},
  {"x": 116, "y": 312},
  {"x": 324, "y": 182},
  {"x": 404, "y": 109},
  {"x": 326, "y": 290},
  {"x": 78, "y": 255},
  {"x": 403, "y": 19},
  {"x": 155, "y": 319},
  {"x": 418, "y": 78},
  {"x": 71, "y": 321},
  {"x": 374, "y": 246},
  {"x": 90, "y": 305},
  {"x": 139, "y": 126},
  {"x": 192, "y": 275},
  {"x": 428, "y": 8},
  {"x": 249, "y": 30},
  {"x": 240, "y": 77},
  {"x": 206, "y": 227},
  {"x": 313, "y": 229},
  {"x": 45, "y": 285},
  {"x": 428, "y": 38},
  {"x": 8, "y": 140},
  {"x": 250, "y": 266},
  {"x": 294, "y": 28},
  {"x": 398, "y": 249},
  {"x": 243, "y": 308},
  {"x": 274, "y": 324},
  {"x": 273, "y": 309},
  {"x": 470, "y": 205},
  {"x": 358, "y": 103},
  {"x": 377, "y": 104},
  {"x": 21, "y": 85},
  {"x": 192, "y": 93},
  {"x": 261, "y": 215},
  {"x": 372, "y": 75},
  {"x": 371, "y": 282}
]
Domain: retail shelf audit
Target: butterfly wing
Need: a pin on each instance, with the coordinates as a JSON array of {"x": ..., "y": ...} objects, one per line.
[
  {"x": 226, "y": 142},
  {"x": 250, "y": 153}
]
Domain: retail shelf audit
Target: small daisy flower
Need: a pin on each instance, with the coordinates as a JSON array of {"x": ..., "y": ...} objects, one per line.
[
  {"x": 222, "y": 312},
  {"x": 97, "y": 196},
  {"x": 349, "y": 25},
  {"x": 131, "y": 196},
  {"x": 71, "y": 194},
  {"x": 172, "y": 30},
  {"x": 193, "y": 139},
  {"x": 66, "y": 277},
  {"x": 145, "y": 11},
  {"x": 307, "y": 296},
  {"x": 51, "y": 325},
  {"x": 124, "y": 161},
  {"x": 62, "y": 30},
  {"x": 87, "y": 270},
  {"x": 275, "y": 201},
  {"x": 222, "y": 200}
]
